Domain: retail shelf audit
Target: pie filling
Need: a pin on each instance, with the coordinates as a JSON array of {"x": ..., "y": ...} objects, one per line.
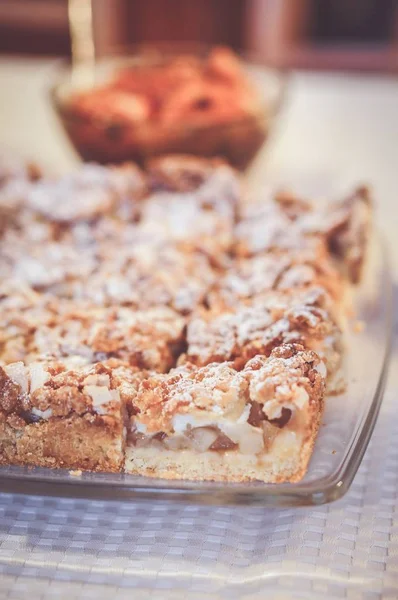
[{"x": 253, "y": 433}]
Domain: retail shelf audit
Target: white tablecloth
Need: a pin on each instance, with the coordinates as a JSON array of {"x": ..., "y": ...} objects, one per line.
[{"x": 342, "y": 128}]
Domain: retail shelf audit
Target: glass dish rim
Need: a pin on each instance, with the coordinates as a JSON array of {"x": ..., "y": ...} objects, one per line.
[{"x": 38, "y": 481}]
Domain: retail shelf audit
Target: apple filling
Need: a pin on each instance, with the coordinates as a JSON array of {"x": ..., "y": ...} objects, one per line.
[{"x": 252, "y": 436}]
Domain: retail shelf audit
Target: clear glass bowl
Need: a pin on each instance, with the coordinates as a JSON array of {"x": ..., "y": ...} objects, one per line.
[
  {"x": 108, "y": 140},
  {"x": 347, "y": 426}
]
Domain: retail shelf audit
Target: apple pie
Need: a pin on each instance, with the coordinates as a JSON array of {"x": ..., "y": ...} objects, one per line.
[{"x": 156, "y": 322}]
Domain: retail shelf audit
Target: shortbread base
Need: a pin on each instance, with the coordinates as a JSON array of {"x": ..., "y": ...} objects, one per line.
[{"x": 89, "y": 442}]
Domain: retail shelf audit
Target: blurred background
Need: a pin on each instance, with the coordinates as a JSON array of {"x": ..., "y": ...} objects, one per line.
[{"x": 318, "y": 34}]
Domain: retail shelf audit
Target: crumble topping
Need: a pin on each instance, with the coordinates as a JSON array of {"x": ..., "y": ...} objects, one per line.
[
  {"x": 185, "y": 219},
  {"x": 15, "y": 182},
  {"x": 279, "y": 225},
  {"x": 48, "y": 389},
  {"x": 147, "y": 339},
  {"x": 219, "y": 409},
  {"x": 255, "y": 277},
  {"x": 201, "y": 215},
  {"x": 216, "y": 388},
  {"x": 262, "y": 227},
  {"x": 214, "y": 336},
  {"x": 149, "y": 275},
  {"x": 92, "y": 191},
  {"x": 132, "y": 269},
  {"x": 287, "y": 223},
  {"x": 349, "y": 231},
  {"x": 289, "y": 377}
]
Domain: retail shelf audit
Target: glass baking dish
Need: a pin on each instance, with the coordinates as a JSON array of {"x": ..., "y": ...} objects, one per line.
[{"x": 346, "y": 428}]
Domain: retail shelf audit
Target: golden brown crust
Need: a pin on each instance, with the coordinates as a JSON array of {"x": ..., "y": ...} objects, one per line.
[{"x": 87, "y": 442}]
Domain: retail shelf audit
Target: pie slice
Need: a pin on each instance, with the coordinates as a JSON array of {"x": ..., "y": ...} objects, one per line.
[
  {"x": 53, "y": 414},
  {"x": 218, "y": 336},
  {"x": 217, "y": 423},
  {"x": 252, "y": 279},
  {"x": 289, "y": 224},
  {"x": 44, "y": 327}
]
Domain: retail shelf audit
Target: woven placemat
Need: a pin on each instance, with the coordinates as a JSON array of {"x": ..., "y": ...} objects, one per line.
[{"x": 58, "y": 548}]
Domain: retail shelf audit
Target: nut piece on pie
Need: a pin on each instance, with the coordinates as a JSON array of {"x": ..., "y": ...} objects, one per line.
[{"x": 216, "y": 423}]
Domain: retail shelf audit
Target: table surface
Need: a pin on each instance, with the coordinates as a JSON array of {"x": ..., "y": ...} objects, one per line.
[{"x": 342, "y": 129}]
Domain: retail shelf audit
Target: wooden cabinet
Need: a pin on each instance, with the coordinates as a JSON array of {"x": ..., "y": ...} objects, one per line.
[
  {"x": 336, "y": 34},
  {"x": 325, "y": 34},
  {"x": 138, "y": 21},
  {"x": 34, "y": 27}
]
